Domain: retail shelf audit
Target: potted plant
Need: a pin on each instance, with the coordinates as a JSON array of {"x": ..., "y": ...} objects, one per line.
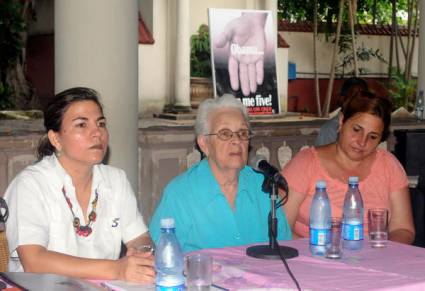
[
  {"x": 15, "y": 90},
  {"x": 402, "y": 91},
  {"x": 200, "y": 66}
]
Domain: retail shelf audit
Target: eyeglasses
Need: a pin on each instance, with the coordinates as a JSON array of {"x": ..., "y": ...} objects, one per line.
[{"x": 226, "y": 134}]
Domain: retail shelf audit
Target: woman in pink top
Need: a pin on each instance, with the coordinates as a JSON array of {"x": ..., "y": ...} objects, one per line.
[{"x": 363, "y": 124}]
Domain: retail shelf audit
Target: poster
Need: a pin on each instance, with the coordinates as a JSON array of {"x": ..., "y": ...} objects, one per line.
[{"x": 243, "y": 56}]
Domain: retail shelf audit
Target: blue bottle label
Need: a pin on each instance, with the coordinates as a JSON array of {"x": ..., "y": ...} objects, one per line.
[
  {"x": 319, "y": 236},
  {"x": 170, "y": 288},
  {"x": 352, "y": 231}
]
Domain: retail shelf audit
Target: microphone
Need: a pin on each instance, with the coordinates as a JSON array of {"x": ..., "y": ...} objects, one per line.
[
  {"x": 260, "y": 164},
  {"x": 273, "y": 180}
]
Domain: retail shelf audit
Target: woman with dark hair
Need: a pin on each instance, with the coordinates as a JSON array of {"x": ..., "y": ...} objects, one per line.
[
  {"x": 68, "y": 212},
  {"x": 363, "y": 123},
  {"x": 328, "y": 132}
]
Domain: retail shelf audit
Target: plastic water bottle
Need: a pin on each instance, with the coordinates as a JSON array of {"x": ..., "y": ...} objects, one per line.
[
  {"x": 419, "y": 107},
  {"x": 352, "y": 229},
  {"x": 320, "y": 220},
  {"x": 168, "y": 259}
]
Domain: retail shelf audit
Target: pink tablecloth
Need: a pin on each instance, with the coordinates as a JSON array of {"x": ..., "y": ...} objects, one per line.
[{"x": 396, "y": 267}]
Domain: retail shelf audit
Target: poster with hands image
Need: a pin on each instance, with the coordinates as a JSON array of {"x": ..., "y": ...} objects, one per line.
[{"x": 243, "y": 56}]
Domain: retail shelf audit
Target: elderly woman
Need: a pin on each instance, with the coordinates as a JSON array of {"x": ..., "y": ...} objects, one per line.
[
  {"x": 69, "y": 213},
  {"x": 364, "y": 123},
  {"x": 219, "y": 202}
]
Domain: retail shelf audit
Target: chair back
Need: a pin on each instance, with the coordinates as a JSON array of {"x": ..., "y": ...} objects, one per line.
[
  {"x": 4, "y": 248},
  {"x": 417, "y": 196}
]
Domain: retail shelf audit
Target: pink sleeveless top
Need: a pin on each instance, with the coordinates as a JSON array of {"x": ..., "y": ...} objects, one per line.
[{"x": 304, "y": 170}]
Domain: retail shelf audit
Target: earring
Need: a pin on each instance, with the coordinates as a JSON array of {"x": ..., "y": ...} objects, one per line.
[{"x": 58, "y": 153}]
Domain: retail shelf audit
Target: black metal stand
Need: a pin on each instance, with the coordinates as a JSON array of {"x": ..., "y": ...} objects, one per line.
[
  {"x": 267, "y": 253},
  {"x": 272, "y": 251}
]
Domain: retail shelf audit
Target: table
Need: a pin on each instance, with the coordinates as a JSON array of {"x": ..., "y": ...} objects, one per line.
[
  {"x": 54, "y": 282},
  {"x": 396, "y": 267},
  {"x": 44, "y": 282}
]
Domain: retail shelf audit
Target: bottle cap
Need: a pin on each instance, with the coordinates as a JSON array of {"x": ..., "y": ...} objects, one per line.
[
  {"x": 320, "y": 184},
  {"x": 167, "y": 222},
  {"x": 353, "y": 180}
]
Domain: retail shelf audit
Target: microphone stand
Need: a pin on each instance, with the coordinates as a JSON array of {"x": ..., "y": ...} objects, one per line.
[{"x": 272, "y": 251}]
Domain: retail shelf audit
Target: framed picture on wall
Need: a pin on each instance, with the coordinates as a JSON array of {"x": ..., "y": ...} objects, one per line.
[{"x": 243, "y": 56}]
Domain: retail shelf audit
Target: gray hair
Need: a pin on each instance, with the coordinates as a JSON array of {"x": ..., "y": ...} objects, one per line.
[{"x": 211, "y": 105}]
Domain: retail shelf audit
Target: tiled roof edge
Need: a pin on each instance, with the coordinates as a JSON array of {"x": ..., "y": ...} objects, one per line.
[
  {"x": 281, "y": 41},
  {"x": 369, "y": 29},
  {"x": 145, "y": 36}
]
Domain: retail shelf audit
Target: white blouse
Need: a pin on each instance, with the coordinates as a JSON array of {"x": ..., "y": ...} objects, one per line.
[{"x": 40, "y": 215}]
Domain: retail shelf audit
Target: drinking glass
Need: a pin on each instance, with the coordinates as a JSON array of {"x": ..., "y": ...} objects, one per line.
[
  {"x": 199, "y": 272},
  {"x": 378, "y": 227},
  {"x": 333, "y": 248}
]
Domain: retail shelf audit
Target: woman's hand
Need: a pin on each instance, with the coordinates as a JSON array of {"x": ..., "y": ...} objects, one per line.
[
  {"x": 402, "y": 236},
  {"x": 136, "y": 267}
]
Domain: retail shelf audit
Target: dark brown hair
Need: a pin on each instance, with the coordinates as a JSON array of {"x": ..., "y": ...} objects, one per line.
[
  {"x": 350, "y": 87},
  {"x": 54, "y": 112},
  {"x": 367, "y": 102}
]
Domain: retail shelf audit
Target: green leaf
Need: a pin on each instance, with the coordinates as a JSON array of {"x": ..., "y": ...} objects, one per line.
[{"x": 200, "y": 59}]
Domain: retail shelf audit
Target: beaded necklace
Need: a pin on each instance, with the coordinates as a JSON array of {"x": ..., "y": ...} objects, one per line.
[{"x": 82, "y": 230}]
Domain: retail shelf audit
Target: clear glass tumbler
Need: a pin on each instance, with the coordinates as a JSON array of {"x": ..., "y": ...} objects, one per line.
[
  {"x": 378, "y": 227},
  {"x": 333, "y": 249}
]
